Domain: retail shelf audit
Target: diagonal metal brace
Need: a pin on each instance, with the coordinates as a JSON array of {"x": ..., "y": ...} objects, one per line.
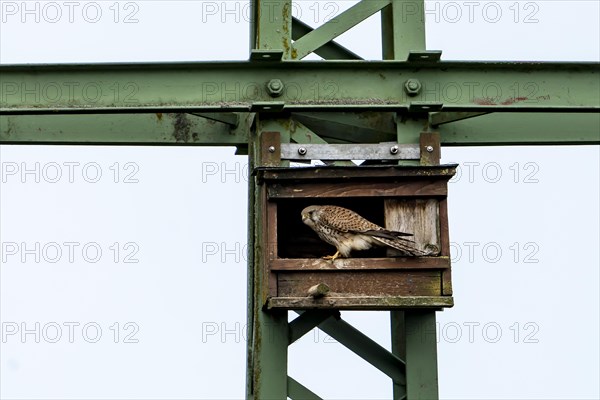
[
  {"x": 366, "y": 348},
  {"x": 307, "y": 321},
  {"x": 329, "y": 51},
  {"x": 297, "y": 391}
]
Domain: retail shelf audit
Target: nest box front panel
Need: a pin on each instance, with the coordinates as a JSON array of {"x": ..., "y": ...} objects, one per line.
[{"x": 375, "y": 239}]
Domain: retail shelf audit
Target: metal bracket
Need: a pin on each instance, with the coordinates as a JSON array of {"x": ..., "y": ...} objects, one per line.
[
  {"x": 424, "y": 106},
  {"x": 330, "y": 152},
  {"x": 266, "y": 55},
  {"x": 428, "y": 56},
  {"x": 267, "y": 106}
]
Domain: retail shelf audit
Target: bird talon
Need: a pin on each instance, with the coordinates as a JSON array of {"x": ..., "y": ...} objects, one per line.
[{"x": 333, "y": 257}]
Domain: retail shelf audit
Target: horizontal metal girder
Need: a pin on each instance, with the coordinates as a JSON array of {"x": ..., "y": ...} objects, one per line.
[
  {"x": 307, "y": 85},
  {"x": 172, "y": 129},
  {"x": 122, "y": 129},
  {"x": 501, "y": 129}
]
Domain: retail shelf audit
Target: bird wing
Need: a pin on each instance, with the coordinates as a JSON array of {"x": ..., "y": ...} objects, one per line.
[
  {"x": 387, "y": 234},
  {"x": 345, "y": 220}
]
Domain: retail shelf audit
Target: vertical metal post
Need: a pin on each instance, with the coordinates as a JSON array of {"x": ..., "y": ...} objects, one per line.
[
  {"x": 421, "y": 355},
  {"x": 266, "y": 379},
  {"x": 398, "y": 348},
  {"x": 413, "y": 333},
  {"x": 271, "y": 25},
  {"x": 402, "y": 28},
  {"x": 268, "y": 331}
]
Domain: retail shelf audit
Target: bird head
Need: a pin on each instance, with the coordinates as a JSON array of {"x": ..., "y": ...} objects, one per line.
[{"x": 310, "y": 215}]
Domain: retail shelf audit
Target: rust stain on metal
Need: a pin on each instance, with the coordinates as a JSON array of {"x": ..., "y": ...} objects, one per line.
[
  {"x": 159, "y": 116},
  {"x": 484, "y": 102},
  {"x": 182, "y": 127},
  {"x": 513, "y": 100}
]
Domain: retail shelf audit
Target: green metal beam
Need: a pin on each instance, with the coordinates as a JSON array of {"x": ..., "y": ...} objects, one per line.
[
  {"x": 421, "y": 355},
  {"x": 335, "y": 27},
  {"x": 365, "y": 348},
  {"x": 501, "y": 129},
  {"x": 307, "y": 321},
  {"x": 347, "y": 127},
  {"x": 178, "y": 129},
  {"x": 402, "y": 28},
  {"x": 297, "y": 391},
  {"x": 271, "y": 26},
  {"x": 329, "y": 51},
  {"x": 398, "y": 340},
  {"x": 268, "y": 332},
  {"x": 329, "y": 85},
  {"x": 498, "y": 129}
]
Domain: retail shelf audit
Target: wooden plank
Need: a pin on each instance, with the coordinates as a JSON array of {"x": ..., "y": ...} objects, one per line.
[
  {"x": 261, "y": 235},
  {"x": 362, "y": 283},
  {"x": 444, "y": 231},
  {"x": 430, "y": 141},
  {"x": 412, "y": 188},
  {"x": 338, "y": 173},
  {"x": 361, "y": 303},
  {"x": 417, "y": 216},
  {"x": 353, "y": 264},
  {"x": 445, "y": 243},
  {"x": 270, "y": 149},
  {"x": 271, "y": 222},
  {"x": 271, "y": 245}
]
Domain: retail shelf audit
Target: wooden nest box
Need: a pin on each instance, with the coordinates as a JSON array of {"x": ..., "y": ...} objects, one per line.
[{"x": 409, "y": 199}]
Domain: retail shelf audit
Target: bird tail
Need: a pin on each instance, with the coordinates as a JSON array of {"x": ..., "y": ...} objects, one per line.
[{"x": 403, "y": 245}]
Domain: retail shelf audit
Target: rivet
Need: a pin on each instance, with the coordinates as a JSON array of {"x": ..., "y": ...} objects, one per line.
[
  {"x": 394, "y": 149},
  {"x": 429, "y": 149},
  {"x": 271, "y": 149},
  {"x": 302, "y": 151}
]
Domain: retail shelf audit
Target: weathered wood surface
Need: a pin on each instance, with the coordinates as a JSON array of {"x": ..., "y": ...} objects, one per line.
[
  {"x": 270, "y": 141},
  {"x": 319, "y": 290},
  {"x": 361, "y": 303},
  {"x": 362, "y": 283},
  {"x": 353, "y": 264},
  {"x": 417, "y": 216},
  {"x": 334, "y": 173},
  {"x": 407, "y": 199},
  {"x": 412, "y": 188},
  {"x": 430, "y": 139},
  {"x": 445, "y": 242}
]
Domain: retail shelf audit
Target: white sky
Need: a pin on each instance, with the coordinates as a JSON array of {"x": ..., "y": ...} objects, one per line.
[{"x": 525, "y": 324}]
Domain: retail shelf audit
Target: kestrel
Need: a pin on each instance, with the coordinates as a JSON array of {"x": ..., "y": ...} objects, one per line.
[{"x": 348, "y": 231}]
